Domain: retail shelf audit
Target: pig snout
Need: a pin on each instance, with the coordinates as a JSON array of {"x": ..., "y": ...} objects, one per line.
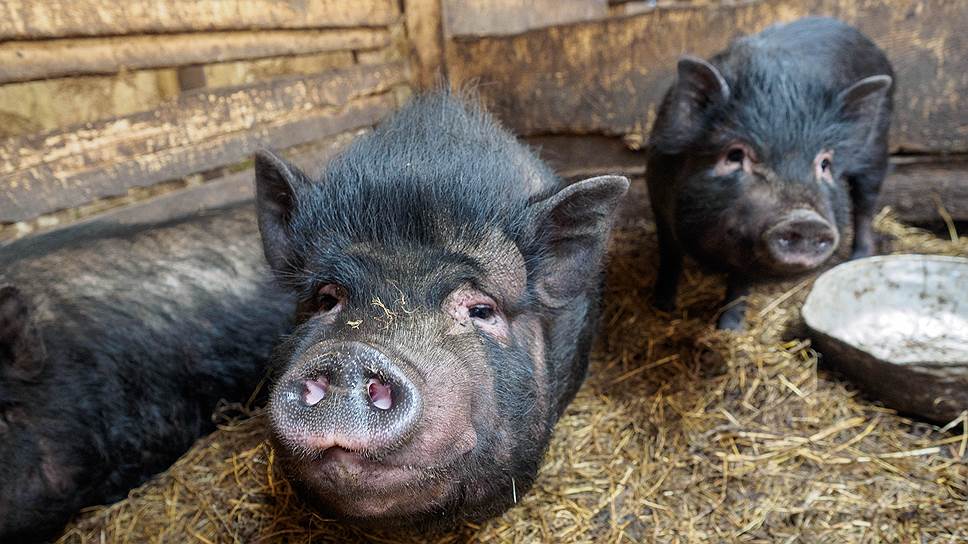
[
  {"x": 347, "y": 395},
  {"x": 801, "y": 240}
]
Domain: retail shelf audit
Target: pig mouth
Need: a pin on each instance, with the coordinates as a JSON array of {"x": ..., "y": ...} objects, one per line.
[{"x": 353, "y": 486}]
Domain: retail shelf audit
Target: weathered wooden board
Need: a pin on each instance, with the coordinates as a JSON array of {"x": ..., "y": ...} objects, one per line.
[
  {"x": 243, "y": 72},
  {"x": 228, "y": 190},
  {"x": 37, "y": 106},
  {"x": 200, "y": 131},
  {"x": 607, "y": 76},
  {"x": 501, "y": 17},
  {"x": 425, "y": 36},
  {"x": 919, "y": 191},
  {"x": 33, "y": 19},
  {"x": 32, "y": 60}
]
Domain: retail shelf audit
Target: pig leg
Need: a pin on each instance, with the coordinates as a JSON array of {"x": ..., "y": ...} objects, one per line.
[
  {"x": 670, "y": 268},
  {"x": 733, "y": 317},
  {"x": 863, "y": 194}
]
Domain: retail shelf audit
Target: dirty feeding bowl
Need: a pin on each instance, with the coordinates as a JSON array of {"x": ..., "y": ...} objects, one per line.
[{"x": 898, "y": 327}]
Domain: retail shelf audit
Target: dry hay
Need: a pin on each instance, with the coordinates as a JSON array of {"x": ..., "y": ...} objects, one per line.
[{"x": 681, "y": 434}]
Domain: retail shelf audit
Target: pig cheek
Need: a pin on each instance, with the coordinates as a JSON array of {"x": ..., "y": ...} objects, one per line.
[
  {"x": 59, "y": 477},
  {"x": 461, "y": 394},
  {"x": 528, "y": 329}
]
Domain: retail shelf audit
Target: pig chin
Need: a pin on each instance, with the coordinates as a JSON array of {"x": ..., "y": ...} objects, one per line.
[{"x": 387, "y": 492}]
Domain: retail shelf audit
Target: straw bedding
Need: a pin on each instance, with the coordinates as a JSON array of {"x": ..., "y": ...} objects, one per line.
[{"x": 681, "y": 434}]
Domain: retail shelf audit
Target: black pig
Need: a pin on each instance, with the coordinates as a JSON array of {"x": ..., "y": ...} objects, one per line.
[
  {"x": 448, "y": 286},
  {"x": 115, "y": 345},
  {"x": 758, "y": 157}
]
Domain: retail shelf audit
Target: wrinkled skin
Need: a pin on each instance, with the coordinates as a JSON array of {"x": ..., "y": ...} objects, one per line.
[
  {"x": 448, "y": 288},
  {"x": 760, "y": 157},
  {"x": 115, "y": 345}
]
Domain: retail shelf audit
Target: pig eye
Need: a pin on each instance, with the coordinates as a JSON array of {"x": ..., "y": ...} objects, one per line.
[
  {"x": 736, "y": 155},
  {"x": 823, "y": 164},
  {"x": 329, "y": 297},
  {"x": 475, "y": 311},
  {"x": 481, "y": 311}
]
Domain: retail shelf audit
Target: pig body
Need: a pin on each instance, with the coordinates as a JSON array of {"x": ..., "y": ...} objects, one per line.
[
  {"x": 115, "y": 345},
  {"x": 448, "y": 286},
  {"x": 760, "y": 157}
]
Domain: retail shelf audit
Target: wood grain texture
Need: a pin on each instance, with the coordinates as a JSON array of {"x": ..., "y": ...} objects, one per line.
[
  {"x": 425, "y": 35},
  {"x": 607, "y": 76},
  {"x": 918, "y": 191},
  {"x": 228, "y": 190},
  {"x": 33, "y": 60},
  {"x": 33, "y": 19},
  {"x": 199, "y": 131},
  {"x": 502, "y": 17}
]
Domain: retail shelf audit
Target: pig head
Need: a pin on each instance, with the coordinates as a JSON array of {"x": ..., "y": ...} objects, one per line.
[{"x": 448, "y": 291}]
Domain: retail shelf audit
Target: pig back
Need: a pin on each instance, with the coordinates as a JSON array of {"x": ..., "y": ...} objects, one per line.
[{"x": 821, "y": 49}]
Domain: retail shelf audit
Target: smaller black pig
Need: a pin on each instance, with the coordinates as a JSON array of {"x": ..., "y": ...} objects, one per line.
[
  {"x": 116, "y": 342},
  {"x": 449, "y": 287},
  {"x": 757, "y": 155}
]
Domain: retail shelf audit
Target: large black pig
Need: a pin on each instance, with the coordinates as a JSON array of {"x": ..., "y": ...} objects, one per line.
[
  {"x": 758, "y": 157},
  {"x": 449, "y": 286},
  {"x": 115, "y": 345}
]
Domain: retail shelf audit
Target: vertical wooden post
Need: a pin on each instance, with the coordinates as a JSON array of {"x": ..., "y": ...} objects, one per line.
[{"x": 423, "y": 22}]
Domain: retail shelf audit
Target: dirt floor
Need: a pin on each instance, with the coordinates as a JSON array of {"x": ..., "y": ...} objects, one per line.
[{"x": 681, "y": 434}]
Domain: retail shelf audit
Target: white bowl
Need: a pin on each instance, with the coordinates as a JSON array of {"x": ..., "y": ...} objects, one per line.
[{"x": 898, "y": 326}]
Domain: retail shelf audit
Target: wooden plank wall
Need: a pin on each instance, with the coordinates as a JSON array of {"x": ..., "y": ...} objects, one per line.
[
  {"x": 570, "y": 76},
  {"x": 102, "y": 103},
  {"x": 217, "y": 79},
  {"x": 606, "y": 76}
]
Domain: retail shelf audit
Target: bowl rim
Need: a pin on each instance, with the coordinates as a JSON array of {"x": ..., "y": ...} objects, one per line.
[{"x": 807, "y": 310}]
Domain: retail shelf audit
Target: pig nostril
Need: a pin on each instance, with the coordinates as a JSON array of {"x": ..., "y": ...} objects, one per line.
[
  {"x": 380, "y": 394},
  {"x": 314, "y": 391}
]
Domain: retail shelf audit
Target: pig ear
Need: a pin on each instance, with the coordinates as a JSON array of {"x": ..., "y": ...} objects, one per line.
[
  {"x": 277, "y": 184},
  {"x": 699, "y": 86},
  {"x": 18, "y": 333},
  {"x": 700, "y": 82},
  {"x": 863, "y": 101},
  {"x": 574, "y": 224}
]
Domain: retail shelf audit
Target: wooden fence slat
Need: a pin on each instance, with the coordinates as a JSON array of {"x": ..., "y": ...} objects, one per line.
[
  {"x": 918, "y": 191},
  {"x": 192, "y": 117},
  {"x": 32, "y": 60},
  {"x": 200, "y": 131},
  {"x": 425, "y": 34},
  {"x": 607, "y": 76},
  {"x": 33, "y": 19},
  {"x": 494, "y": 17}
]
